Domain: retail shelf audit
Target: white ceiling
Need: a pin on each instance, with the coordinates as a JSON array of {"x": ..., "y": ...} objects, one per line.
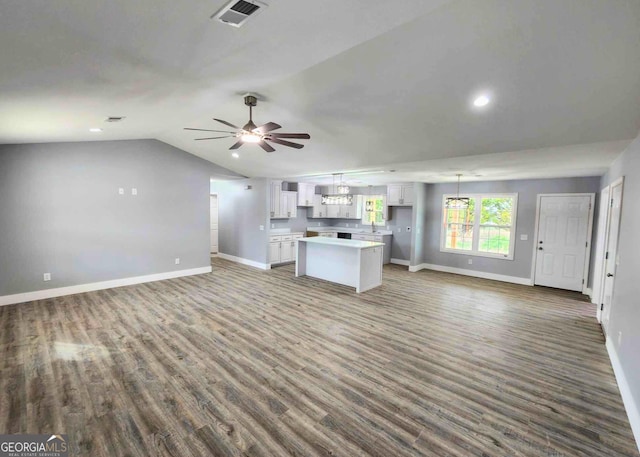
[{"x": 379, "y": 85}]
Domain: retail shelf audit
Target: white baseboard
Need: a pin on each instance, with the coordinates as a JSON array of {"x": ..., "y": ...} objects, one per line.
[
  {"x": 474, "y": 273},
  {"x": 400, "y": 262},
  {"x": 633, "y": 410},
  {"x": 251, "y": 263},
  {"x": 80, "y": 288},
  {"x": 587, "y": 291}
]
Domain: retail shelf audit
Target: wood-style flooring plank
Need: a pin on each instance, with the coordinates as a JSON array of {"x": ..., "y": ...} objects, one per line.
[{"x": 243, "y": 362}]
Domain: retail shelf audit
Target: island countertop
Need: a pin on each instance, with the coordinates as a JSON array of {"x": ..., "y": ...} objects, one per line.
[{"x": 354, "y": 244}]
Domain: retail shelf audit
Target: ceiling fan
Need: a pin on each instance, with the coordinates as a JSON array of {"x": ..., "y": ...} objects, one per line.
[{"x": 250, "y": 133}]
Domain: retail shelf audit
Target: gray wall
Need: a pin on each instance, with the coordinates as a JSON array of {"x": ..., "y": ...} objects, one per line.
[
  {"x": 241, "y": 212},
  {"x": 625, "y": 311},
  {"x": 62, "y": 214},
  {"x": 527, "y": 191}
]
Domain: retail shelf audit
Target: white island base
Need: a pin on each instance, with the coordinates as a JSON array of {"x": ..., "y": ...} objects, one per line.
[{"x": 348, "y": 262}]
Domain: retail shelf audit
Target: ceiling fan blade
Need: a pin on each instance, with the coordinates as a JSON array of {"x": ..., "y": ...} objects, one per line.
[
  {"x": 207, "y": 130},
  {"x": 227, "y": 123},
  {"x": 237, "y": 145},
  {"x": 269, "y": 126},
  {"x": 286, "y": 143},
  {"x": 299, "y": 136},
  {"x": 265, "y": 146},
  {"x": 214, "y": 137}
]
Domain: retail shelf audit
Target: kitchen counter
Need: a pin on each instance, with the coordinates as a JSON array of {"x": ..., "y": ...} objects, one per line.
[{"x": 352, "y": 263}]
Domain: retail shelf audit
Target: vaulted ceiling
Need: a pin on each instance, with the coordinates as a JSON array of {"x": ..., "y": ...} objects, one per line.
[{"x": 379, "y": 85}]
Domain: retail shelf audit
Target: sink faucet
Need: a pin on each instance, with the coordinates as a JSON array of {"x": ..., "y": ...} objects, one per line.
[{"x": 373, "y": 227}]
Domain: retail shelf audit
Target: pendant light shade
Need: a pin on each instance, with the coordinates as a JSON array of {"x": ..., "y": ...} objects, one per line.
[{"x": 340, "y": 196}]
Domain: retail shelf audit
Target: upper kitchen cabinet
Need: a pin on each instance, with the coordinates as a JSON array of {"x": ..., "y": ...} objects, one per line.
[
  {"x": 400, "y": 195},
  {"x": 319, "y": 210},
  {"x": 275, "y": 196},
  {"x": 306, "y": 194},
  {"x": 288, "y": 204},
  {"x": 352, "y": 211}
]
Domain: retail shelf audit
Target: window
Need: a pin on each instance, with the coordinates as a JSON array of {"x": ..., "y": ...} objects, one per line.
[
  {"x": 485, "y": 228},
  {"x": 373, "y": 210}
]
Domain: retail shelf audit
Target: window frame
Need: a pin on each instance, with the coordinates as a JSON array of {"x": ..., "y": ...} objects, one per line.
[{"x": 476, "y": 226}]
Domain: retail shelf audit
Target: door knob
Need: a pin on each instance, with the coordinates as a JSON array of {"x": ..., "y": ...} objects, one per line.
[
  {"x": 540, "y": 242},
  {"x": 609, "y": 275},
  {"x": 540, "y": 249}
]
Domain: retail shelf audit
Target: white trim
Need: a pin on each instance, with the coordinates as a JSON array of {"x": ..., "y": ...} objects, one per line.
[
  {"x": 474, "y": 273},
  {"x": 633, "y": 411},
  {"x": 587, "y": 258},
  {"x": 251, "y": 263},
  {"x": 406, "y": 263},
  {"x": 81, "y": 288},
  {"x": 588, "y": 292},
  {"x": 476, "y": 227}
]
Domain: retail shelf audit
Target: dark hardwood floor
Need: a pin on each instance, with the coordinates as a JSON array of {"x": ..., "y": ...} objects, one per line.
[{"x": 242, "y": 362}]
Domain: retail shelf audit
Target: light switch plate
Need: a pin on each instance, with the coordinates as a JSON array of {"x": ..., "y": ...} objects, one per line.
[
  {"x": 134, "y": 191},
  {"x": 470, "y": 261},
  {"x": 177, "y": 260},
  {"x": 121, "y": 190},
  {"x": 262, "y": 227},
  {"x": 47, "y": 277},
  {"x": 524, "y": 237}
]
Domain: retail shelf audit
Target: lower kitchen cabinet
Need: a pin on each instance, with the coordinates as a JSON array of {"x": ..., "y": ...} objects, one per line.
[
  {"x": 386, "y": 239},
  {"x": 282, "y": 248}
]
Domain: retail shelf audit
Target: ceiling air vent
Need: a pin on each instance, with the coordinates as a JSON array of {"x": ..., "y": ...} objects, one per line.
[
  {"x": 237, "y": 12},
  {"x": 114, "y": 119}
]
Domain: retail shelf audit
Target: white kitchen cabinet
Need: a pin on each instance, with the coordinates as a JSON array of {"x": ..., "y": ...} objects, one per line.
[
  {"x": 287, "y": 251},
  {"x": 386, "y": 239},
  {"x": 319, "y": 210},
  {"x": 282, "y": 248},
  {"x": 352, "y": 211},
  {"x": 288, "y": 204},
  {"x": 400, "y": 194},
  {"x": 275, "y": 199},
  {"x": 333, "y": 211},
  {"x": 306, "y": 194},
  {"x": 274, "y": 252}
]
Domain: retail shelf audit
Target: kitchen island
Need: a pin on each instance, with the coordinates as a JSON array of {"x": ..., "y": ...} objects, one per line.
[{"x": 352, "y": 263}]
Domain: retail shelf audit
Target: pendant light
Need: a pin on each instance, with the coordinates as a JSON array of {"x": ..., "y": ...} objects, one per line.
[
  {"x": 340, "y": 196},
  {"x": 457, "y": 202}
]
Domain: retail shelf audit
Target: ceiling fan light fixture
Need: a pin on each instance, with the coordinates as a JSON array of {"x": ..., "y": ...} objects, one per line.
[{"x": 251, "y": 138}]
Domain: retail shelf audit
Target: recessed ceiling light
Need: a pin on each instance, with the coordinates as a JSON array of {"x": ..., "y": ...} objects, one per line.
[
  {"x": 481, "y": 101},
  {"x": 95, "y": 130},
  {"x": 235, "y": 155}
]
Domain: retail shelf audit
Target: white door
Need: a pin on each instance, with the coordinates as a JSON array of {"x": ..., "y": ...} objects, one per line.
[
  {"x": 213, "y": 214},
  {"x": 563, "y": 228},
  {"x": 611, "y": 256},
  {"x": 601, "y": 247}
]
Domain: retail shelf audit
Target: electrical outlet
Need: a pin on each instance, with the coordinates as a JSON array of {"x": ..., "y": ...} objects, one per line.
[
  {"x": 399, "y": 229},
  {"x": 356, "y": 225},
  {"x": 47, "y": 276},
  {"x": 619, "y": 338},
  {"x": 134, "y": 191},
  {"x": 273, "y": 226},
  {"x": 470, "y": 261},
  {"x": 177, "y": 260},
  {"x": 121, "y": 190},
  {"x": 262, "y": 227},
  {"x": 524, "y": 237}
]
